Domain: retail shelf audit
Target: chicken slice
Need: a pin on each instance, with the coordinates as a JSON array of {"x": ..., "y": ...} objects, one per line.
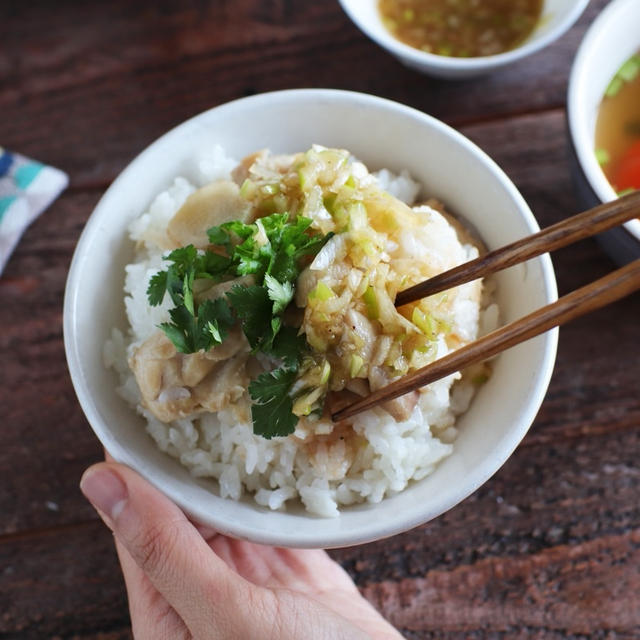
[
  {"x": 262, "y": 164},
  {"x": 224, "y": 385},
  {"x": 210, "y": 206},
  {"x": 241, "y": 172},
  {"x": 174, "y": 385},
  {"x": 399, "y": 408}
]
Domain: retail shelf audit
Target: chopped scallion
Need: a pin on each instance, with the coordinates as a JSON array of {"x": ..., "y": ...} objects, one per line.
[
  {"x": 630, "y": 69},
  {"x": 356, "y": 365},
  {"x": 614, "y": 87},
  {"x": 322, "y": 292},
  {"x": 371, "y": 301}
]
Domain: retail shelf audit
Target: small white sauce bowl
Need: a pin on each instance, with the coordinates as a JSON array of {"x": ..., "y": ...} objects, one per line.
[
  {"x": 557, "y": 16},
  {"x": 450, "y": 168},
  {"x": 612, "y": 39}
]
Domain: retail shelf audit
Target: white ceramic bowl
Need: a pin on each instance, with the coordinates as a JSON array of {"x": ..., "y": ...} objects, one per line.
[
  {"x": 611, "y": 40},
  {"x": 557, "y": 17},
  {"x": 382, "y": 134}
]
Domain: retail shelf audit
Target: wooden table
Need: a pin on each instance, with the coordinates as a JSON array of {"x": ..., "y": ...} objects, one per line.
[{"x": 548, "y": 548}]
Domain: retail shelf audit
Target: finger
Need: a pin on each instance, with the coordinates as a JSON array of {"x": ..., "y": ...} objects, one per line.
[
  {"x": 168, "y": 549},
  {"x": 152, "y": 617}
]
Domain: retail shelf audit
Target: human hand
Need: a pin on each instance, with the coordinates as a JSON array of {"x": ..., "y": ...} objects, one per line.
[{"x": 188, "y": 582}]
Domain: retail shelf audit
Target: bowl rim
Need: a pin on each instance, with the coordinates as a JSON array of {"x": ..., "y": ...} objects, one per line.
[
  {"x": 418, "y": 58},
  {"x": 582, "y": 141},
  {"x": 344, "y": 536}
]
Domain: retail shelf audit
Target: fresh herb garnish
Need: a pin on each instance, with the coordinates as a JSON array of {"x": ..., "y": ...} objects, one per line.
[
  {"x": 280, "y": 292},
  {"x": 254, "y": 310},
  {"x": 272, "y": 407},
  {"x": 273, "y": 245},
  {"x": 271, "y": 250},
  {"x": 190, "y": 333},
  {"x": 192, "y": 330}
]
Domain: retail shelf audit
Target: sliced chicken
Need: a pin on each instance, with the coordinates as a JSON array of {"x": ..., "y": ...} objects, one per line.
[
  {"x": 225, "y": 384},
  {"x": 175, "y": 385},
  {"x": 400, "y": 408},
  {"x": 332, "y": 454},
  {"x": 262, "y": 164},
  {"x": 210, "y": 206},
  {"x": 241, "y": 172}
]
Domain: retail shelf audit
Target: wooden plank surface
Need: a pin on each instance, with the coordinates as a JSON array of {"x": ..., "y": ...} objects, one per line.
[
  {"x": 548, "y": 548},
  {"x": 555, "y": 529},
  {"x": 108, "y": 79}
]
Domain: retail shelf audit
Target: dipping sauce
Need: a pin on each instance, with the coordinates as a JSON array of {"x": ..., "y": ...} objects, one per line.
[
  {"x": 618, "y": 128},
  {"x": 461, "y": 28}
]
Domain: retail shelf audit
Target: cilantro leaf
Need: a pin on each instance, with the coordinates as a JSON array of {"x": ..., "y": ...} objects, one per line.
[
  {"x": 275, "y": 226},
  {"x": 214, "y": 321},
  {"x": 188, "y": 265},
  {"x": 177, "y": 336},
  {"x": 182, "y": 329},
  {"x": 289, "y": 347},
  {"x": 175, "y": 285},
  {"x": 293, "y": 242},
  {"x": 221, "y": 235},
  {"x": 278, "y": 254},
  {"x": 280, "y": 292},
  {"x": 272, "y": 407},
  {"x": 184, "y": 257},
  {"x": 221, "y": 238},
  {"x": 190, "y": 333},
  {"x": 157, "y": 288},
  {"x": 254, "y": 309},
  {"x": 240, "y": 229},
  {"x": 252, "y": 258},
  {"x": 187, "y": 291},
  {"x": 212, "y": 265},
  {"x": 312, "y": 245}
]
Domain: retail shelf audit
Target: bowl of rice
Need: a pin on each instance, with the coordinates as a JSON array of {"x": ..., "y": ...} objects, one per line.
[{"x": 236, "y": 283}]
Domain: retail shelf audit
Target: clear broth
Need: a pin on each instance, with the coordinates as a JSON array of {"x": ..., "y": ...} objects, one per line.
[{"x": 618, "y": 125}]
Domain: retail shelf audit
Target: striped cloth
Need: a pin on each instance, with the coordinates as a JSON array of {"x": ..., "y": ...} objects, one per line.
[{"x": 27, "y": 188}]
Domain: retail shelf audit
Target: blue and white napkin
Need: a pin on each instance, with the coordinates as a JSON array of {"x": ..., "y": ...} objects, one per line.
[{"x": 27, "y": 188}]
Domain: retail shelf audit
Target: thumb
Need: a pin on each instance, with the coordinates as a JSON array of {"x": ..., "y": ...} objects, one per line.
[{"x": 199, "y": 586}]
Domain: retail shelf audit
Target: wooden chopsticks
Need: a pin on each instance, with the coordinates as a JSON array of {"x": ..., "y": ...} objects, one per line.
[
  {"x": 604, "y": 291},
  {"x": 606, "y": 216}
]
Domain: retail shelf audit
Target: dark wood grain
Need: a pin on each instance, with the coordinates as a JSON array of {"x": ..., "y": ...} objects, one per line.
[
  {"x": 546, "y": 495},
  {"x": 45, "y": 443},
  {"x": 52, "y": 581},
  {"x": 76, "y": 96},
  {"x": 560, "y": 590},
  {"x": 547, "y": 548}
]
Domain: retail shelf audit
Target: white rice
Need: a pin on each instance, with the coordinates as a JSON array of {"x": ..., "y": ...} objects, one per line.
[{"x": 278, "y": 471}]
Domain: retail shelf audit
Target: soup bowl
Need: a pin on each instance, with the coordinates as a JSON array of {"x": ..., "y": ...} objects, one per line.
[
  {"x": 611, "y": 40},
  {"x": 289, "y": 121},
  {"x": 557, "y": 17}
]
